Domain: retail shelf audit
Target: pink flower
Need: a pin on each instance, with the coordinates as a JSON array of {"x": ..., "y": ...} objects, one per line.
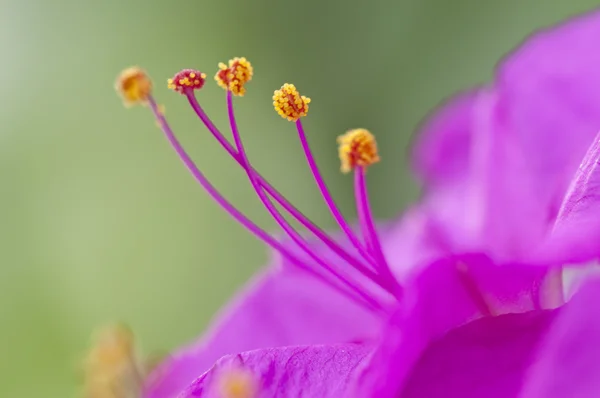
[{"x": 458, "y": 297}]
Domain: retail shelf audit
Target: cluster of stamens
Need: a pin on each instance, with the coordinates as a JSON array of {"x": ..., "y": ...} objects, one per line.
[
  {"x": 187, "y": 79},
  {"x": 357, "y": 148},
  {"x": 234, "y": 76},
  {"x": 289, "y": 104}
]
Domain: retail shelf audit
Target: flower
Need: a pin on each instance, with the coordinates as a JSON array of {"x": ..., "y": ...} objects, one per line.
[{"x": 500, "y": 214}]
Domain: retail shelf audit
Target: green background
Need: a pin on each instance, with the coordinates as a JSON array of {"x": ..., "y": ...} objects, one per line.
[{"x": 101, "y": 222}]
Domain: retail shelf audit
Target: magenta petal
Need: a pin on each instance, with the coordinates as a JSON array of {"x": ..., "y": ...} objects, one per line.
[
  {"x": 487, "y": 203},
  {"x": 306, "y": 371},
  {"x": 577, "y": 228},
  {"x": 282, "y": 307},
  {"x": 496, "y": 164},
  {"x": 441, "y": 151},
  {"x": 568, "y": 364},
  {"x": 550, "y": 93},
  {"x": 445, "y": 295},
  {"x": 487, "y": 358}
]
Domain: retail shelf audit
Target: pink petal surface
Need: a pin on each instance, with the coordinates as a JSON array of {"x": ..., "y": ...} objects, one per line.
[
  {"x": 497, "y": 162},
  {"x": 549, "y": 90},
  {"x": 487, "y": 358},
  {"x": 445, "y": 295},
  {"x": 574, "y": 238},
  {"x": 568, "y": 363},
  {"x": 307, "y": 371},
  {"x": 441, "y": 151}
]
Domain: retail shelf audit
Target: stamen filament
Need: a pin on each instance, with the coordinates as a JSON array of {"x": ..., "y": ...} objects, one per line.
[
  {"x": 293, "y": 234},
  {"x": 358, "y": 296},
  {"x": 335, "y": 212},
  {"x": 272, "y": 191},
  {"x": 367, "y": 224}
]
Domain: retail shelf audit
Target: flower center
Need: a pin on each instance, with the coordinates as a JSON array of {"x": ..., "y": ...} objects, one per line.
[{"x": 362, "y": 273}]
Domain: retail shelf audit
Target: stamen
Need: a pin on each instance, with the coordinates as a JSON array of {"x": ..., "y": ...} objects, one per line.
[
  {"x": 234, "y": 76},
  {"x": 134, "y": 86},
  {"x": 291, "y": 106},
  {"x": 357, "y": 148},
  {"x": 271, "y": 190},
  {"x": 187, "y": 79},
  {"x": 281, "y": 221}
]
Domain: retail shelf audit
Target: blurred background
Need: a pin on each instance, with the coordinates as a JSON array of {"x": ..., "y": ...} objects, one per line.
[{"x": 101, "y": 222}]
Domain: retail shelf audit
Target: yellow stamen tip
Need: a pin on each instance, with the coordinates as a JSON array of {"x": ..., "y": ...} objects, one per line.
[
  {"x": 357, "y": 148},
  {"x": 134, "y": 86},
  {"x": 289, "y": 104},
  {"x": 237, "y": 383},
  {"x": 234, "y": 76}
]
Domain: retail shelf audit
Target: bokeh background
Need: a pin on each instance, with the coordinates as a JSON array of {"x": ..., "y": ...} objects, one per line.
[{"x": 99, "y": 220}]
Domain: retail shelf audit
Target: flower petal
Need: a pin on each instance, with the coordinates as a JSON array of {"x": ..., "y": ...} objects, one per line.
[
  {"x": 550, "y": 95},
  {"x": 575, "y": 237},
  {"x": 306, "y": 371},
  {"x": 283, "y": 306},
  {"x": 487, "y": 358},
  {"x": 497, "y": 162},
  {"x": 568, "y": 364},
  {"x": 441, "y": 150},
  {"x": 445, "y": 295}
]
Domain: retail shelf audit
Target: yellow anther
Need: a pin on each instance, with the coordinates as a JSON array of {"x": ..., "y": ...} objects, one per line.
[
  {"x": 134, "y": 86},
  {"x": 237, "y": 383},
  {"x": 289, "y": 104},
  {"x": 234, "y": 76},
  {"x": 357, "y": 148}
]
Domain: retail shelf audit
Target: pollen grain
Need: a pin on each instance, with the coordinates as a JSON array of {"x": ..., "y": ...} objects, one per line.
[
  {"x": 134, "y": 86},
  {"x": 289, "y": 104},
  {"x": 357, "y": 148},
  {"x": 234, "y": 76}
]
